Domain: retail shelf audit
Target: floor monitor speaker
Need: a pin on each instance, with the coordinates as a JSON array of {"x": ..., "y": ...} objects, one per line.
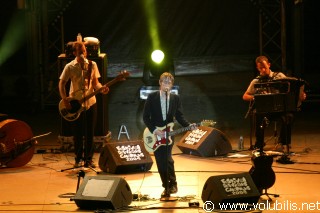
[
  {"x": 229, "y": 189},
  {"x": 125, "y": 157},
  {"x": 103, "y": 192},
  {"x": 205, "y": 142}
]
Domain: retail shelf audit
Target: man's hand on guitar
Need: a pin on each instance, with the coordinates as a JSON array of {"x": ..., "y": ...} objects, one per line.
[
  {"x": 193, "y": 126},
  {"x": 105, "y": 90},
  {"x": 159, "y": 133},
  {"x": 66, "y": 102}
]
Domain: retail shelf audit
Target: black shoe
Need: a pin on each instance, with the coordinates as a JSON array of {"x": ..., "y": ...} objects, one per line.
[
  {"x": 173, "y": 189},
  {"x": 164, "y": 194},
  {"x": 89, "y": 164},
  {"x": 77, "y": 164}
]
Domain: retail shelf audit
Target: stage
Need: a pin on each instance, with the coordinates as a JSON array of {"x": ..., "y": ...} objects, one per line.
[{"x": 41, "y": 186}]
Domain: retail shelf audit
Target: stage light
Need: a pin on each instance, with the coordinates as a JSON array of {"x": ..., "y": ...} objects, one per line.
[
  {"x": 160, "y": 60},
  {"x": 158, "y": 63},
  {"x": 157, "y": 56}
]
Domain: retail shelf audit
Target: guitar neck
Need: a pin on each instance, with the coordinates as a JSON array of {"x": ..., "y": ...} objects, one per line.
[
  {"x": 175, "y": 132},
  {"x": 113, "y": 81}
]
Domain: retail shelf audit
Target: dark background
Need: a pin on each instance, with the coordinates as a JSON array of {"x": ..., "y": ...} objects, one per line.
[{"x": 213, "y": 44}]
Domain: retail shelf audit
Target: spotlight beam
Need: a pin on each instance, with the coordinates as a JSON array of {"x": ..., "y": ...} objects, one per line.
[
  {"x": 151, "y": 14},
  {"x": 13, "y": 38}
]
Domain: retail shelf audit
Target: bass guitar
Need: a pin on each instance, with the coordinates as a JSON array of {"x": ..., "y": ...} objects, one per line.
[
  {"x": 76, "y": 102},
  {"x": 152, "y": 142}
]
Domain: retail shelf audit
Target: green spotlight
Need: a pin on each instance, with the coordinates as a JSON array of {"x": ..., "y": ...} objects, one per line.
[
  {"x": 157, "y": 56},
  {"x": 13, "y": 38}
]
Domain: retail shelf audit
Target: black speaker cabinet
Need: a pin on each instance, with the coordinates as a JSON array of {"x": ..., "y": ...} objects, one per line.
[
  {"x": 234, "y": 188},
  {"x": 103, "y": 192},
  {"x": 102, "y": 125},
  {"x": 205, "y": 142},
  {"x": 125, "y": 157}
]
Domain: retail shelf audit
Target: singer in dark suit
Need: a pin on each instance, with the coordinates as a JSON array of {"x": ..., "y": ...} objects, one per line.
[{"x": 157, "y": 113}]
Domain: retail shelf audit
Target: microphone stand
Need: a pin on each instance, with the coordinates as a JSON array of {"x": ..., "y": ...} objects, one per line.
[
  {"x": 167, "y": 196},
  {"x": 85, "y": 143},
  {"x": 285, "y": 159},
  {"x": 80, "y": 175},
  {"x": 252, "y": 122}
]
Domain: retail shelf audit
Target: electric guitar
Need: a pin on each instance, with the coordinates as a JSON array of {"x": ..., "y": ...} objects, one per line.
[
  {"x": 153, "y": 142},
  {"x": 76, "y": 102}
]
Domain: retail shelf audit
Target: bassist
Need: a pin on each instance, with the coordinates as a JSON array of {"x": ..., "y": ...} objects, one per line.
[{"x": 84, "y": 75}]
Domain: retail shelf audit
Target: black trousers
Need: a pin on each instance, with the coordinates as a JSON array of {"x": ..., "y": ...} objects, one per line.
[
  {"x": 83, "y": 132},
  {"x": 261, "y": 122},
  {"x": 161, "y": 154}
]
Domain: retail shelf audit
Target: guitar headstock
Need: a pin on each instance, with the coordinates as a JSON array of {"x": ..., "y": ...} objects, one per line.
[
  {"x": 209, "y": 123},
  {"x": 122, "y": 75}
]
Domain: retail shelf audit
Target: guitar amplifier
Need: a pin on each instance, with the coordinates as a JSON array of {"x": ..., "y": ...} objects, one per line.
[
  {"x": 102, "y": 125},
  {"x": 93, "y": 49}
]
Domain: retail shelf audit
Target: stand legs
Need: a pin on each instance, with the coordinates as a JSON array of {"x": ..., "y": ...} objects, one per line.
[{"x": 268, "y": 195}]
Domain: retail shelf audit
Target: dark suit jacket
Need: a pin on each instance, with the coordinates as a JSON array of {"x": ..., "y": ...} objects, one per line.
[{"x": 152, "y": 114}]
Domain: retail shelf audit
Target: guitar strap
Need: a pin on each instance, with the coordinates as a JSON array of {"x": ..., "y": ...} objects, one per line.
[
  {"x": 263, "y": 79},
  {"x": 89, "y": 72}
]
